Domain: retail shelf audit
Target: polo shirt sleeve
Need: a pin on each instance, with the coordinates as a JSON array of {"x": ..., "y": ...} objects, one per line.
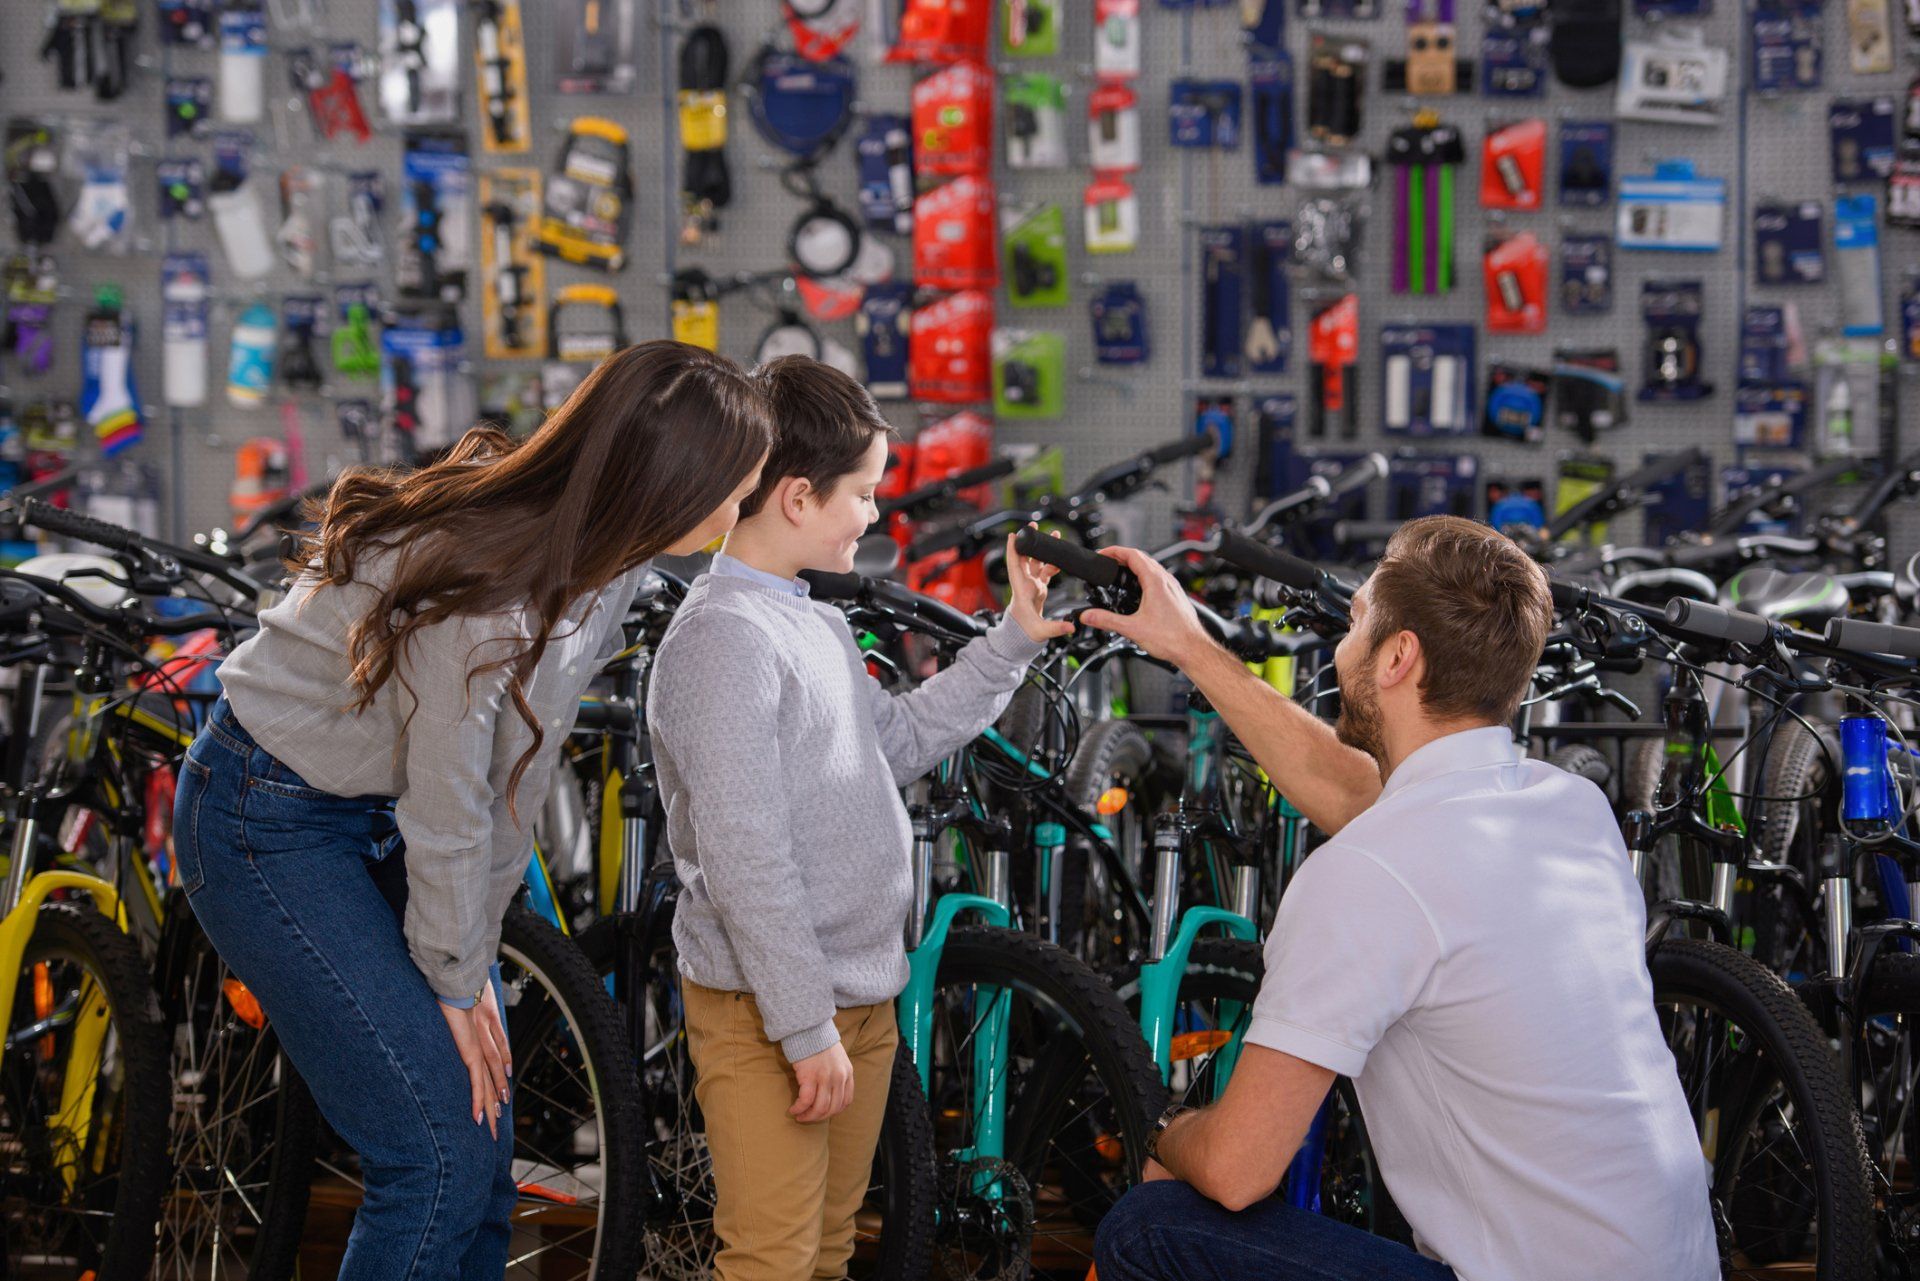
[{"x": 1351, "y": 951}]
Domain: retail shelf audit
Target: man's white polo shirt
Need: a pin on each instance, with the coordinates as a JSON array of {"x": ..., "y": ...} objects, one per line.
[{"x": 1470, "y": 952}]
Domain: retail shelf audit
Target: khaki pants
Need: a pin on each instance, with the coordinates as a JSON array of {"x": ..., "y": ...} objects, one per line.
[{"x": 786, "y": 1193}]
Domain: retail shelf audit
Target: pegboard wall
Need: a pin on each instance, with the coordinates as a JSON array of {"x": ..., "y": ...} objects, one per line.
[{"x": 1763, "y": 147}]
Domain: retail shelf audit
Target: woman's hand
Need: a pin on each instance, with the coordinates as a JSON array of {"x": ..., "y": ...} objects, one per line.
[
  {"x": 1027, "y": 596},
  {"x": 826, "y": 1085},
  {"x": 482, "y": 1043}
]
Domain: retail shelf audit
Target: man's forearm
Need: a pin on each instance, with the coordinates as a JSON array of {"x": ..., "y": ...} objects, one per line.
[{"x": 1325, "y": 779}]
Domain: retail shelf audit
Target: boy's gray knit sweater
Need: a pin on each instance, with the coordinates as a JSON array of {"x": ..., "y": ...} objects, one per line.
[{"x": 780, "y": 761}]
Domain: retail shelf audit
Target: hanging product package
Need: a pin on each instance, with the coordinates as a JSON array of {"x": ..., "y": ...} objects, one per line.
[
  {"x": 942, "y": 31},
  {"x": 885, "y": 152},
  {"x": 821, "y": 29},
  {"x": 593, "y": 45},
  {"x": 696, "y": 309},
  {"x": 800, "y": 106},
  {"x": 183, "y": 188},
  {"x": 233, "y": 198},
  {"x": 420, "y": 61},
  {"x": 706, "y": 183},
  {"x": 1516, "y": 285},
  {"x": 1269, "y": 339},
  {"x": 436, "y": 212},
  {"x": 1223, "y": 273},
  {"x": 1427, "y": 380},
  {"x": 500, "y": 73},
  {"x": 108, "y": 401},
  {"x": 253, "y": 344},
  {"x": 1788, "y": 47},
  {"x": 427, "y": 398},
  {"x": 1787, "y": 243},
  {"x": 302, "y": 202},
  {"x": 1513, "y": 165},
  {"x": 1111, "y": 219},
  {"x": 1672, "y": 312},
  {"x": 332, "y": 93},
  {"x": 1113, "y": 128},
  {"x": 1270, "y": 85},
  {"x": 1586, "y": 275},
  {"x": 1516, "y": 402},
  {"x": 1423, "y": 158},
  {"x": 1119, "y": 315},
  {"x": 32, "y": 160},
  {"x": 183, "y": 330},
  {"x": 243, "y": 62},
  {"x": 1031, "y": 28},
  {"x": 588, "y": 203},
  {"x": 102, "y": 217},
  {"x": 512, "y": 275},
  {"x": 1860, "y": 135},
  {"x": 32, "y": 288},
  {"x": 1029, "y": 373},
  {"x": 1333, "y": 349},
  {"x": 584, "y": 327},
  {"x": 950, "y": 358},
  {"x": 189, "y": 105},
  {"x": 1586, "y": 163},
  {"x": 953, "y": 236},
  {"x": 186, "y": 23},
  {"x": 1514, "y": 48},
  {"x": 1116, "y": 39},
  {"x": 1036, "y": 126},
  {"x": 953, "y": 121},
  {"x": 1677, "y": 79},
  {"x": 1673, "y": 209},
  {"x": 1036, "y": 248},
  {"x": 885, "y": 326},
  {"x": 297, "y": 359},
  {"x": 1856, "y": 255},
  {"x": 1204, "y": 114},
  {"x": 356, "y": 352}
]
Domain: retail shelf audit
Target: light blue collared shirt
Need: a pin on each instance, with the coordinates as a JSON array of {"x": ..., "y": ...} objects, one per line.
[{"x": 725, "y": 564}]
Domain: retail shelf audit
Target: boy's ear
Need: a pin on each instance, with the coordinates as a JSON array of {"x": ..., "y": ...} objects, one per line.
[{"x": 793, "y": 495}]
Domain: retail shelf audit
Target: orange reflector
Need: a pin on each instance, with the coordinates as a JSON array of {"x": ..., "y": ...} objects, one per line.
[
  {"x": 1191, "y": 1045},
  {"x": 1093, "y": 1273},
  {"x": 43, "y": 1005},
  {"x": 244, "y": 1004},
  {"x": 1108, "y": 1146},
  {"x": 547, "y": 1194},
  {"x": 1112, "y": 801}
]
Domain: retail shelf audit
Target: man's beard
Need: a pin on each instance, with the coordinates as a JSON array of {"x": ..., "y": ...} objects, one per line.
[{"x": 1360, "y": 725}]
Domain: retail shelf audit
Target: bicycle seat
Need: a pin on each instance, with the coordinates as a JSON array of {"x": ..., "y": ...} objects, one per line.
[
  {"x": 1788, "y": 597},
  {"x": 877, "y": 556}
]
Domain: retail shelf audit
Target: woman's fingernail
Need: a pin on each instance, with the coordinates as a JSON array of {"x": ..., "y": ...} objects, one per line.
[
  {"x": 479, "y": 1118},
  {"x": 503, "y": 1095}
]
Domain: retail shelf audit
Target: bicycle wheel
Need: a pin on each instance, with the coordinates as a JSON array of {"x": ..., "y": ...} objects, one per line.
[
  {"x": 83, "y": 1134},
  {"x": 245, "y": 1130},
  {"x": 1114, "y": 759},
  {"x": 1081, "y": 1096},
  {"x": 576, "y": 1121},
  {"x": 894, "y": 1227},
  {"x": 1214, "y": 1006},
  {"x": 1789, "y": 1175}
]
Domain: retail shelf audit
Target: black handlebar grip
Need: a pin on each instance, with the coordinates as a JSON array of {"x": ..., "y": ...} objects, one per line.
[
  {"x": 983, "y": 474},
  {"x": 962, "y": 480},
  {"x": 1185, "y": 447},
  {"x": 940, "y": 541},
  {"x": 1258, "y": 558},
  {"x": 1360, "y": 474},
  {"x": 1568, "y": 595},
  {"x": 58, "y": 520},
  {"x": 1070, "y": 558},
  {"x": 1863, "y": 637},
  {"x": 1716, "y": 622},
  {"x": 826, "y": 586}
]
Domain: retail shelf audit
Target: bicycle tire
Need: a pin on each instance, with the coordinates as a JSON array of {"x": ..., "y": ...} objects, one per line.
[
  {"x": 1797, "y": 765},
  {"x": 591, "y": 1029},
  {"x": 242, "y": 1161},
  {"x": 1060, "y": 997},
  {"x": 1112, "y": 752},
  {"x": 904, "y": 1160},
  {"x": 1584, "y": 761},
  {"x": 1232, "y": 969},
  {"x": 1778, "y": 1034},
  {"x": 128, "y": 1198}
]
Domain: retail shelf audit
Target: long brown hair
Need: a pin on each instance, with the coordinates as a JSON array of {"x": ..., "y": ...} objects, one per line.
[{"x": 647, "y": 446}]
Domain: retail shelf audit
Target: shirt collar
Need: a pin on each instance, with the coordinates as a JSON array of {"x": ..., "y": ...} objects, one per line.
[
  {"x": 727, "y": 566},
  {"x": 1449, "y": 754}
]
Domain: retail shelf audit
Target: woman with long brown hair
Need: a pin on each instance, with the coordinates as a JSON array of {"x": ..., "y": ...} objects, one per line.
[{"x": 428, "y": 661}]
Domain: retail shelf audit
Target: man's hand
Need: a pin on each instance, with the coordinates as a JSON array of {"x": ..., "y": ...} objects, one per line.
[
  {"x": 1156, "y": 1173},
  {"x": 1165, "y": 625},
  {"x": 1027, "y": 599},
  {"x": 826, "y": 1085}
]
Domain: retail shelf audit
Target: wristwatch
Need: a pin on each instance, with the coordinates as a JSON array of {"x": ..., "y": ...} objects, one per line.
[{"x": 1160, "y": 1128}]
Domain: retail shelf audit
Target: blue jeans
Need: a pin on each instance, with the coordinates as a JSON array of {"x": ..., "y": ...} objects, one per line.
[
  {"x": 290, "y": 885},
  {"x": 1166, "y": 1231}
]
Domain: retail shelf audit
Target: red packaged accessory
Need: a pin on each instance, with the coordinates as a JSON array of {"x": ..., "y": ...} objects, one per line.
[
  {"x": 943, "y": 31},
  {"x": 953, "y": 121},
  {"x": 1513, "y": 166},
  {"x": 950, "y": 358},
  {"x": 954, "y": 241},
  {"x": 1517, "y": 285},
  {"x": 1333, "y": 348},
  {"x": 1113, "y": 127},
  {"x": 955, "y": 444},
  {"x": 821, "y": 37}
]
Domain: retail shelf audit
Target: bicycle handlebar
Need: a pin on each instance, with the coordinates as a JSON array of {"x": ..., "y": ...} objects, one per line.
[
  {"x": 1716, "y": 622},
  {"x": 1070, "y": 558},
  {"x": 947, "y": 487},
  {"x": 1859, "y": 636},
  {"x": 101, "y": 533}
]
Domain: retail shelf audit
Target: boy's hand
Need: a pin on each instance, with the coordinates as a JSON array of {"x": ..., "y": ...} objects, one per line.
[
  {"x": 826, "y": 1085},
  {"x": 1027, "y": 596}
]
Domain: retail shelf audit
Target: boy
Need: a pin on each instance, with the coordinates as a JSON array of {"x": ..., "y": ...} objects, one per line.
[{"x": 780, "y": 761}]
